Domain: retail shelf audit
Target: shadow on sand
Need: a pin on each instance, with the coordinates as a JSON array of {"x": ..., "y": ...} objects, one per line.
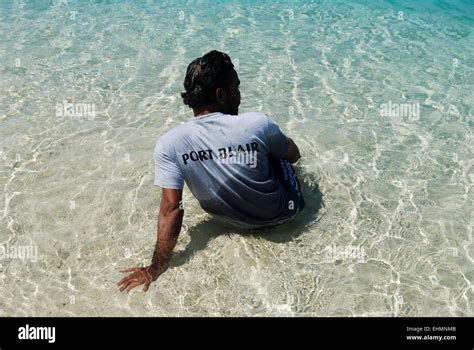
[{"x": 205, "y": 231}]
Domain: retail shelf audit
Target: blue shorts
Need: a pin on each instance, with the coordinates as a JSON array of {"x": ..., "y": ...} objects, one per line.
[{"x": 286, "y": 174}]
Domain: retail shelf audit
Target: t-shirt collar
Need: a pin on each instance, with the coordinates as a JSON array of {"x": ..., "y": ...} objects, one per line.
[{"x": 207, "y": 115}]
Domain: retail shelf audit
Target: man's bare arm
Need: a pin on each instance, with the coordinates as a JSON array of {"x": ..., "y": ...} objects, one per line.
[
  {"x": 169, "y": 223},
  {"x": 293, "y": 151}
]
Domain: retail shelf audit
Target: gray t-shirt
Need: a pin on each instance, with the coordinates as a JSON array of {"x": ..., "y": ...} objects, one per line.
[{"x": 225, "y": 161}]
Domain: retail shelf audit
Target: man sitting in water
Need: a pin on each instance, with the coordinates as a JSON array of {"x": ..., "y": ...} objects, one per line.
[{"x": 237, "y": 166}]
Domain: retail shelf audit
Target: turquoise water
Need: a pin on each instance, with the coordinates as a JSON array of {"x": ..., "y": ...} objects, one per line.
[{"x": 377, "y": 94}]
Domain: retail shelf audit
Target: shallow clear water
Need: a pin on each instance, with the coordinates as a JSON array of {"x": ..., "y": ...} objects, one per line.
[{"x": 387, "y": 232}]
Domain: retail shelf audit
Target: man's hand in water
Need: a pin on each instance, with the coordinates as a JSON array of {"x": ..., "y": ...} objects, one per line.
[
  {"x": 169, "y": 223},
  {"x": 140, "y": 275}
]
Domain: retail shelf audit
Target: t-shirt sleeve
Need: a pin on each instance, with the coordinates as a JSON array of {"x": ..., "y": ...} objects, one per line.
[
  {"x": 168, "y": 174},
  {"x": 277, "y": 140}
]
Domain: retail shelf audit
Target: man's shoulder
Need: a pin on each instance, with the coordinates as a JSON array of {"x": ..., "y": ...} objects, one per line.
[
  {"x": 257, "y": 119},
  {"x": 254, "y": 115},
  {"x": 178, "y": 132},
  {"x": 172, "y": 134}
]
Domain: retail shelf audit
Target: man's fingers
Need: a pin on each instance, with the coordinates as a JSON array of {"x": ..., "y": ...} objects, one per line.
[
  {"x": 138, "y": 277},
  {"x": 125, "y": 284},
  {"x": 133, "y": 285},
  {"x": 128, "y": 283},
  {"x": 132, "y": 269},
  {"x": 135, "y": 274},
  {"x": 122, "y": 281},
  {"x": 127, "y": 278}
]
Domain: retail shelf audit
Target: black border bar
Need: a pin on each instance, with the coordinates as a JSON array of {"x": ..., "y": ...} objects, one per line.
[{"x": 363, "y": 332}]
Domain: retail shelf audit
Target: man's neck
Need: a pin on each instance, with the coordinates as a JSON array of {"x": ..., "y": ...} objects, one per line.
[{"x": 198, "y": 113}]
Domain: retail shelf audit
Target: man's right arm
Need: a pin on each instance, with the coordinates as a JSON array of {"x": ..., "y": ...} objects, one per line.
[{"x": 169, "y": 224}]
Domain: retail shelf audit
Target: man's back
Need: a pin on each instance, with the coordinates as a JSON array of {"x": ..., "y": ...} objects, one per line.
[{"x": 226, "y": 161}]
